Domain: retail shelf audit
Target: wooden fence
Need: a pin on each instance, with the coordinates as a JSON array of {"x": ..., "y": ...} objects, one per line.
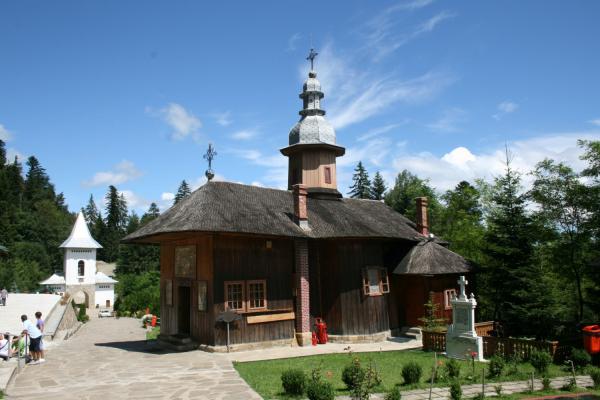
[{"x": 505, "y": 347}]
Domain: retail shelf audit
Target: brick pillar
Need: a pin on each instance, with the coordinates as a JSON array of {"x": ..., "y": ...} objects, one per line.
[
  {"x": 422, "y": 218},
  {"x": 303, "y": 332}
]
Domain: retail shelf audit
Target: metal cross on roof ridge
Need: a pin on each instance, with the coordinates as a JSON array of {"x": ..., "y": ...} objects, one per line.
[
  {"x": 311, "y": 56},
  {"x": 209, "y": 156}
]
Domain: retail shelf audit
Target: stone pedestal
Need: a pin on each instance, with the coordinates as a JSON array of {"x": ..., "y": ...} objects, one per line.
[{"x": 462, "y": 341}]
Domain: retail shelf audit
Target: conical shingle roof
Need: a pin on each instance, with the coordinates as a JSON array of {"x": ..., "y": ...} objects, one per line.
[{"x": 80, "y": 237}]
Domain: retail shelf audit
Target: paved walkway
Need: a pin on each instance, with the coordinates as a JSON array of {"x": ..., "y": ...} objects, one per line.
[
  {"x": 109, "y": 359},
  {"x": 470, "y": 391}
]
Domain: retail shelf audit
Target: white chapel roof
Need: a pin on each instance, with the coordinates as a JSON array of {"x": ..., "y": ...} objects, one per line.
[
  {"x": 102, "y": 278},
  {"x": 54, "y": 280},
  {"x": 80, "y": 236}
]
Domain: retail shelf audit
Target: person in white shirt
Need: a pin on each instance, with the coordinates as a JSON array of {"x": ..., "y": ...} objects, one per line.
[
  {"x": 35, "y": 336},
  {"x": 4, "y": 346}
]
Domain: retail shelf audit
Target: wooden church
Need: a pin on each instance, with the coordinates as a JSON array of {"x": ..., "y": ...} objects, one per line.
[{"x": 282, "y": 258}]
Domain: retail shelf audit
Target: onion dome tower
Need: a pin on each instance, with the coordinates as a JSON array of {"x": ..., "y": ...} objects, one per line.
[{"x": 312, "y": 149}]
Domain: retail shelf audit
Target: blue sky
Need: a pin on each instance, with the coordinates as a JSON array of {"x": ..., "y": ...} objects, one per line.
[{"x": 131, "y": 93}]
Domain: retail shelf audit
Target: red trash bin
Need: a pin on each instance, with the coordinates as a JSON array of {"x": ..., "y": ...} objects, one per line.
[
  {"x": 591, "y": 339},
  {"x": 154, "y": 320},
  {"x": 321, "y": 328}
]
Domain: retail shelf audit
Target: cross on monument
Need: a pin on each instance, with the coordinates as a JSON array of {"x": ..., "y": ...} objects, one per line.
[
  {"x": 210, "y": 154},
  {"x": 311, "y": 56},
  {"x": 462, "y": 282}
]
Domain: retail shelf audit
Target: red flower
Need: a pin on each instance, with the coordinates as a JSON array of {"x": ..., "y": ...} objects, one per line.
[{"x": 474, "y": 354}]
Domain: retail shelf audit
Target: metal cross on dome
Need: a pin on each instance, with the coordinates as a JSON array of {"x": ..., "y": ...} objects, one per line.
[
  {"x": 209, "y": 156},
  {"x": 311, "y": 56},
  {"x": 462, "y": 282}
]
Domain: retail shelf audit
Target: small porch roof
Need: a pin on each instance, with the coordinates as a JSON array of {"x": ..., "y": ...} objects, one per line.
[
  {"x": 55, "y": 279},
  {"x": 430, "y": 258}
]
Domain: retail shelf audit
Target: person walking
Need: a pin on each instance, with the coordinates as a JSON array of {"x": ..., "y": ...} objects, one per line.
[
  {"x": 3, "y": 296},
  {"x": 39, "y": 323},
  {"x": 35, "y": 336}
]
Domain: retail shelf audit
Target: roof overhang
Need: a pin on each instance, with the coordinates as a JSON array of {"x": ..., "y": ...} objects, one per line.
[{"x": 338, "y": 150}]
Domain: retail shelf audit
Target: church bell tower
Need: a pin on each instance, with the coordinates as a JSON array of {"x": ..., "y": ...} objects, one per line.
[{"x": 312, "y": 150}]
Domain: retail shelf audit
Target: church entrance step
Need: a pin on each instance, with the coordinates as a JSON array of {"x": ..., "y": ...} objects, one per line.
[{"x": 411, "y": 332}]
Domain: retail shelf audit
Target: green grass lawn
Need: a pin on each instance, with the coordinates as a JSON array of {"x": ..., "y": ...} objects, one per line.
[
  {"x": 519, "y": 396},
  {"x": 265, "y": 376}
]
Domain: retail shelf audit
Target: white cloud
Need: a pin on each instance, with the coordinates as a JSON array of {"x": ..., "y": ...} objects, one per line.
[
  {"x": 595, "y": 122},
  {"x": 354, "y": 96},
  {"x": 506, "y": 107},
  {"x": 277, "y": 165},
  {"x": 5, "y": 134},
  {"x": 180, "y": 120},
  {"x": 371, "y": 133},
  {"x": 380, "y": 34},
  {"x": 135, "y": 202},
  {"x": 167, "y": 196},
  {"x": 450, "y": 120},
  {"x": 224, "y": 118},
  {"x": 123, "y": 172},
  {"x": 201, "y": 180},
  {"x": 291, "y": 44},
  {"x": 245, "y": 134},
  {"x": 257, "y": 183},
  {"x": 463, "y": 164}
]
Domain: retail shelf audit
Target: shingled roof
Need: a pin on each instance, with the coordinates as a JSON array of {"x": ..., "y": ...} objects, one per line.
[
  {"x": 235, "y": 208},
  {"x": 430, "y": 258}
]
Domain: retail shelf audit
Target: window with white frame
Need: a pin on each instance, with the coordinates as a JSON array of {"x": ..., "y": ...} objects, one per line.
[{"x": 375, "y": 281}]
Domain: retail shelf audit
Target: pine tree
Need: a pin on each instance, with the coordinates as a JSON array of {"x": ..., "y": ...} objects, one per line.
[
  {"x": 361, "y": 186},
  {"x": 37, "y": 183},
  {"x": 151, "y": 214},
  {"x": 183, "y": 192},
  {"x": 378, "y": 187},
  {"x": 2, "y": 154},
  {"x": 402, "y": 196},
  {"x": 91, "y": 212},
  {"x": 512, "y": 290},
  {"x": 115, "y": 224},
  {"x": 461, "y": 221}
]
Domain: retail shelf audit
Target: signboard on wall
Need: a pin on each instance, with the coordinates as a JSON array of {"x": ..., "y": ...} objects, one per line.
[{"x": 185, "y": 261}]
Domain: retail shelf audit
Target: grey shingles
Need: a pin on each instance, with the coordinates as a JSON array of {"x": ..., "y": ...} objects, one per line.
[{"x": 235, "y": 208}]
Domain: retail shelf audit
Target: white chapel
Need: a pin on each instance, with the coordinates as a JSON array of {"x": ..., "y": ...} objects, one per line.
[{"x": 80, "y": 277}]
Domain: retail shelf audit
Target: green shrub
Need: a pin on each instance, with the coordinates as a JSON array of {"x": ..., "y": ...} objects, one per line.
[
  {"x": 580, "y": 358},
  {"x": 453, "y": 368},
  {"x": 479, "y": 396},
  {"x": 353, "y": 374},
  {"x": 570, "y": 386},
  {"x": 498, "y": 390},
  {"x": 496, "y": 366},
  {"x": 81, "y": 314},
  {"x": 594, "y": 372},
  {"x": 455, "y": 390},
  {"x": 411, "y": 373},
  {"x": 319, "y": 390},
  {"x": 393, "y": 394},
  {"x": 293, "y": 381},
  {"x": 540, "y": 360},
  {"x": 546, "y": 383}
]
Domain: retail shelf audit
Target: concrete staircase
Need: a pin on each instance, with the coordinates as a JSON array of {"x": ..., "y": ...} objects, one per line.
[
  {"x": 178, "y": 343},
  {"x": 411, "y": 332}
]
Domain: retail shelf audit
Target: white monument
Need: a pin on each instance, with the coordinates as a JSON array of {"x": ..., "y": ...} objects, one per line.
[
  {"x": 462, "y": 341},
  {"x": 80, "y": 277}
]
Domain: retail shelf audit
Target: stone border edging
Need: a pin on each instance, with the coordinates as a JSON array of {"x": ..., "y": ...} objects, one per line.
[{"x": 470, "y": 391}]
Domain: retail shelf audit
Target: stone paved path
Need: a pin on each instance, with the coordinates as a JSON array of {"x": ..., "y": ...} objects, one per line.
[
  {"x": 470, "y": 391},
  {"x": 109, "y": 359}
]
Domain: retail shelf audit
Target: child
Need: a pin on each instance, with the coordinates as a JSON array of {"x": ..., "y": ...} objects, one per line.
[
  {"x": 4, "y": 347},
  {"x": 40, "y": 325}
]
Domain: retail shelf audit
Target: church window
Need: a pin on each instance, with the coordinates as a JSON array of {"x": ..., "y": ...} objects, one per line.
[
  {"x": 449, "y": 295},
  {"x": 81, "y": 268},
  {"x": 375, "y": 281},
  {"x": 234, "y": 296},
  {"x": 257, "y": 295},
  {"x": 327, "y": 174}
]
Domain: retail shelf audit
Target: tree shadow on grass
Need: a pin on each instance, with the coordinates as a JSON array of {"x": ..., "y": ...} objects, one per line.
[{"x": 138, "y": 346}]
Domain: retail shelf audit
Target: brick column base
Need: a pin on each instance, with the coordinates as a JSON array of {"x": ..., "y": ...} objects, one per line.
[{"x": 303, "y": 333}]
